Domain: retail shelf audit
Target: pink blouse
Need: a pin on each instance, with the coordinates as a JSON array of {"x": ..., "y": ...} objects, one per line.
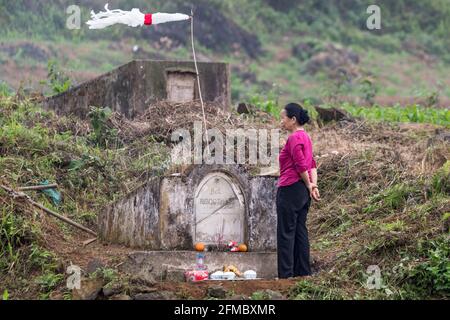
[{"x": 296, "y": 157}]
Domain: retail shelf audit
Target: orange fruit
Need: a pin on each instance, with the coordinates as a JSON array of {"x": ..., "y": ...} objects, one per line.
[
  {"x": 242, "y": 248},
  {"x": 199, "y": 246}
]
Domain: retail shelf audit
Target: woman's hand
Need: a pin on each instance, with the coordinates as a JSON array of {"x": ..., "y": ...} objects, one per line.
[
  {"x": 311, "y": 187},
  {"x": 315, "y": 194},
  {"x": 314, "y": 191}
]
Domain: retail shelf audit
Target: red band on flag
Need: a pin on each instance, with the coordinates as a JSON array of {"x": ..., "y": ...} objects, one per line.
[{"x": 148, "y": 19}]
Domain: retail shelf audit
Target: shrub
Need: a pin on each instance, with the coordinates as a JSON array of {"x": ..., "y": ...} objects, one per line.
[{"x": 432, "y": 276}]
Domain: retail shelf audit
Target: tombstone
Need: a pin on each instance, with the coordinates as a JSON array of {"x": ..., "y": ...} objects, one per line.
[{"x": 219, "y": 210}]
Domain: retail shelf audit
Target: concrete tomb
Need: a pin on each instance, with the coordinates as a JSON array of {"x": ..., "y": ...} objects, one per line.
[
  {"x": 213, "y": 204},
  {"x": 133, "y": 87}
]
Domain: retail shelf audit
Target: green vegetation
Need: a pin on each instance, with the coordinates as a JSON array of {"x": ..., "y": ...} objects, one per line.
[
  {"x": 432, "y": 276},
  {"x": 57, "y": 80},
  {"x": 387, "y": 216},
  {"x": 409, "y": 114},
  {"x": 408, "y": 57},
  {"x": 5, "y": 90},
  {"x": 340, "y": 21},
  {"x": 102, "y": 135},
  {"x": 36, "y": 145},
  {"x": 414, "y": 113},
  {"x": 108, "y": 275}
]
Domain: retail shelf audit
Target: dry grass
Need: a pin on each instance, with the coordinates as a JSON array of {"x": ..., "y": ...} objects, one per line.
[{"x": 163, "y": 118}]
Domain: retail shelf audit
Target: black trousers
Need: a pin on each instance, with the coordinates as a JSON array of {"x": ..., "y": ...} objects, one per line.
[{"x": 292, "y": 236}]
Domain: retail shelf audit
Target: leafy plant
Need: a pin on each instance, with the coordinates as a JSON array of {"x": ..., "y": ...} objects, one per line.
[
  {"x": 258, "y": 295},
  {"x": 15, "y": 232},
  {"x": 49, "y": 281},
  {"x": 103, "y": 135},
  {"x": 5, "y": 295},
  {"x": 440, "y": 182},
  {"x": 5, "y": 90},
  {"x": 107, "y": 274},
  {"x": 431, "y": 276},
  {"x": 393, "y": 226},
  {"x": 56, "y": 78},
  {"x": 411, "y": 113},
  {"x": 391, "y": 198},
  {"x": 269, "y": 104},
  {"x": 40, "y": 258}
]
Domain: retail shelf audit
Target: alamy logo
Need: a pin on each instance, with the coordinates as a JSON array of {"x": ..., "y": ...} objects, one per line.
[
  {"x": 234, "y": 146},
  {"x": 374, "y": 20},
  {"x": 73, "y": 21},
  {"x": 374, "y": 279},
  {"x": 74, "y": 280}
]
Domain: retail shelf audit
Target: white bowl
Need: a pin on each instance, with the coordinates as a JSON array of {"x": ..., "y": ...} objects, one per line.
[{"x": 250, "y": 274}]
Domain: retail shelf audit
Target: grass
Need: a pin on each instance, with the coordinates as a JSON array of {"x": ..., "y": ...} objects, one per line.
[
  {"x": 36, "y": 145},
  {"x": 309, "y": 290},
  {"x": 49, "y": 281},
  {"x": 395, "y": 223}
]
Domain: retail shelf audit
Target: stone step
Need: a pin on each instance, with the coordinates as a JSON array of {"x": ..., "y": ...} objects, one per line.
[{"x": 163, "y": 265}]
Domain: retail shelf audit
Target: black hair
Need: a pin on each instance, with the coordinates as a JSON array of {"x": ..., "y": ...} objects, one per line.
[{"x": 295, "y": 110}]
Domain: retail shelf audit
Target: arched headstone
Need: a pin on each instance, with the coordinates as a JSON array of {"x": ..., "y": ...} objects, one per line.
[{"x": 219, "y": 210}]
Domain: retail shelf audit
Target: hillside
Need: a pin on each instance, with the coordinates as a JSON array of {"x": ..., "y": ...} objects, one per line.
[
  {"x": 384, "y": 165},
  {"x": 385, "y": 190},
  {"x": 280, "y": 50}
]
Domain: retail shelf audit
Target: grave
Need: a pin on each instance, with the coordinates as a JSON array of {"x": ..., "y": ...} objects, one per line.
[
  {"x": 213, "y": 204},
  {"x": 131, "y": 88}
]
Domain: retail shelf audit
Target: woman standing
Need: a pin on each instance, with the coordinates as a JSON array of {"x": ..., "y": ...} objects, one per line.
[{"x": 296, "y": 185}]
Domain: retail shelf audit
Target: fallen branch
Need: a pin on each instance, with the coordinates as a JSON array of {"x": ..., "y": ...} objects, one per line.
[
  {"x": 16, "y": 194},
  {"x": 88, "y": 242},
  {"x": 40, "y": 187}
]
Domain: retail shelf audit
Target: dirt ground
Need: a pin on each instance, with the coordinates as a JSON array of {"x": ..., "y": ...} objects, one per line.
[
  {"x": 71, "y": 250},
  {"x": 198, "y": 290}
]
